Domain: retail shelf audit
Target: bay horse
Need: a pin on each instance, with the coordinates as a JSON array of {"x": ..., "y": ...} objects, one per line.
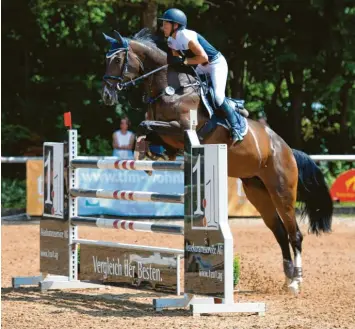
[{"x": 274, "y": 176}]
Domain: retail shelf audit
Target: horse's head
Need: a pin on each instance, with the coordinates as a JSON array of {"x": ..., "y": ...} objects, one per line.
[{"x": 122, "y": 65}]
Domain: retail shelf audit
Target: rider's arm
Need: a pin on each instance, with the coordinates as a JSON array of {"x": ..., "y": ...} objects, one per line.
[
  {"x": 189, "y": 40},
  {"x": 200, "y": 54}
]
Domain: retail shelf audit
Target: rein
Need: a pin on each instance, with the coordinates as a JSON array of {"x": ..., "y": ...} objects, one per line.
[
  {"x": 120, "y": 85},
  {"x": 134, "y": 82},
  {"x": 123, "y": 85}
]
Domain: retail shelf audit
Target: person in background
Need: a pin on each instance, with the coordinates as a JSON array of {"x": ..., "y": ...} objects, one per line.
[{"x": 123, "y": 141}]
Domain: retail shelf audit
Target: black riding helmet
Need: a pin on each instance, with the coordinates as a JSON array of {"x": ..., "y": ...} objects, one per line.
[{"x": 175, "y": 15}]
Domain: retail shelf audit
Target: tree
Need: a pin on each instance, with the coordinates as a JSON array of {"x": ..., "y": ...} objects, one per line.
[{"x": 284, "y": 57}]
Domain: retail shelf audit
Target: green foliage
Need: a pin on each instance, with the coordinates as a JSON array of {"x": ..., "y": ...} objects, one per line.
[
  {"x": 236, "y": 270},
  {"x": 13, "y": 193},
  {"x": 257, "y": 93},
  {"x": 97, "y": 146},
  {"x": 14, "y": 133},
  {"x": 168, "y": 3},
  {"x": 281, "y": 54},
  {"x": 67, "y": 22}
]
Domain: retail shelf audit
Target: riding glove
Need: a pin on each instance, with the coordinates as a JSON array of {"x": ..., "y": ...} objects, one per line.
[{"x": 176, "y": 61}]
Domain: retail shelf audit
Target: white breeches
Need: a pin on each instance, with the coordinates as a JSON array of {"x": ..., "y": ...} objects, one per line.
[{"x": 218, "y": 71}]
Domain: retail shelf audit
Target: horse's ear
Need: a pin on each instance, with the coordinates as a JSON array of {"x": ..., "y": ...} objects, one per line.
[
  {"x": 118, "y": 36},
  {"x": 121, "y": 40},
  {"x": 109, "y": 39}
]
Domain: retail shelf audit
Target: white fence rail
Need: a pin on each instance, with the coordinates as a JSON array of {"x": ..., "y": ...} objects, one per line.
[
  {"x": 333, "y": 157},
  {"x": 18, "y": 159},
  {"x": 25, "y": 159},
  {"x": 320, "y": 157}
]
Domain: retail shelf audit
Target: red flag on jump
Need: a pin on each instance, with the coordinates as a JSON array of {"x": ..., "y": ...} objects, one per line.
[{"x": 67, "y": 120}]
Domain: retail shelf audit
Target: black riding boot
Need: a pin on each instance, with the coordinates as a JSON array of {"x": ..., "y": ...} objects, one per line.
[{"x": 229, "y": 110}]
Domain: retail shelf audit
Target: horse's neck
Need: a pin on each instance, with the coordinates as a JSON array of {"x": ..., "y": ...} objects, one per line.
[{"x": 152, "y": 58}]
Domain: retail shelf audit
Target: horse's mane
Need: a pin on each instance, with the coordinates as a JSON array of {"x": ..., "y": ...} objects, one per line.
[{"x": 145, "y": 36}]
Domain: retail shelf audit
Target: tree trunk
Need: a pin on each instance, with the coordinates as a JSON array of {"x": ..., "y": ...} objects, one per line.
[
  {"x": 344, "y": 108},
  {"x": 150, "y": 15},
  {"x": 237, "y": 82},
  {"x": 272, "y": 110}
]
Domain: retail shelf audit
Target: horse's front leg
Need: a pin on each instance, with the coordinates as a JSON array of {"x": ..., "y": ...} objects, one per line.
[{"x": 153, "y": 136}]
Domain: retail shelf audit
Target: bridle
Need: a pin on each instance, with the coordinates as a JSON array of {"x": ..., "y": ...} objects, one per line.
[
  {"x": 124, "y": 71},
  {"x": 120, "y": 85}
]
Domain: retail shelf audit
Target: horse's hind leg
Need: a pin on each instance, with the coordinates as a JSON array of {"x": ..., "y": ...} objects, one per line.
[
  {"x": 297, "y": 250},
  {"x": 260, "y": 198},
  {"x": 280, "y": 178}
]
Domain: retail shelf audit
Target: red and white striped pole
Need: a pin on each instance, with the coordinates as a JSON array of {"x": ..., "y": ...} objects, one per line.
[
  {"x": 128, "y": 195},
  {"x": 128, "y": 164},
  {"x": 129, "y": 225}
]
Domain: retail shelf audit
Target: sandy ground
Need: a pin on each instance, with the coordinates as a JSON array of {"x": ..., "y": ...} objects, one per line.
[{"x": 327, "y": 299}]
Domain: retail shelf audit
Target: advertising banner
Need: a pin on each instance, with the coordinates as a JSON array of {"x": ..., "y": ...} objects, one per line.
[
  {"x": 34, "y": 187},
  {"x": 238, "y": 204},
  {"x": 128, "y": 266},
  {"x": 160, "y": 181},
  {"x": 169, "y": 182},
  {"x": 343, "y": 189}
]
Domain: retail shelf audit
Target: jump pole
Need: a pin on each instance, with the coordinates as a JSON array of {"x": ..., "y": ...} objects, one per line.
[{"x": 208, "y": 241}]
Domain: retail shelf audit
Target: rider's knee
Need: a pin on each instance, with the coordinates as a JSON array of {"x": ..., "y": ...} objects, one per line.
[{"x": 219, "y": 99}]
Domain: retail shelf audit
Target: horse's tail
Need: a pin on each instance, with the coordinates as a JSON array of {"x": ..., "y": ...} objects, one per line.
[{"x": 313, "y": 193}]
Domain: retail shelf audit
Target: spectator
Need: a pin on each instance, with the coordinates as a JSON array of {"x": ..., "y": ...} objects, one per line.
[{"x": 123, "y": 141}]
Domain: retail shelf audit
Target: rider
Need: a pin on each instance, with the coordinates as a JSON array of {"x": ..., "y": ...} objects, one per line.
[{"x": 190, "y": 48}]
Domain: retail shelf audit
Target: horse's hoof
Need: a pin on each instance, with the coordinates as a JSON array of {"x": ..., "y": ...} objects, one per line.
[
  {"x": 288, "y": 281},
  {"x": 294, "y": 287},
  {"x": 285, "y": 286}
]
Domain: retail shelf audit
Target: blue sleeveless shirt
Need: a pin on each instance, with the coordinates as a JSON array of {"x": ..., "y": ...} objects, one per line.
[{"x": 184, "y": 36}]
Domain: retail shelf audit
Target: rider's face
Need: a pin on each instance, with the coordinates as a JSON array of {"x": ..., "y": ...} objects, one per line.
[{"x": 167, "y": 27}]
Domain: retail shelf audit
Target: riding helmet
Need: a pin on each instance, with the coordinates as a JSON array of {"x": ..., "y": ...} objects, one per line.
[{"x": 175, "y": 15}]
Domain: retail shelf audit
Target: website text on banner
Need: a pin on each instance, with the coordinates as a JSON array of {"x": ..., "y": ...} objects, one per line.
[{"x": 160, "y": 182}]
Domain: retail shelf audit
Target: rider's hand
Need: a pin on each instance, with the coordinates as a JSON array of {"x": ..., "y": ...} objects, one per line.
[{"x": 176, "y": 61}]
